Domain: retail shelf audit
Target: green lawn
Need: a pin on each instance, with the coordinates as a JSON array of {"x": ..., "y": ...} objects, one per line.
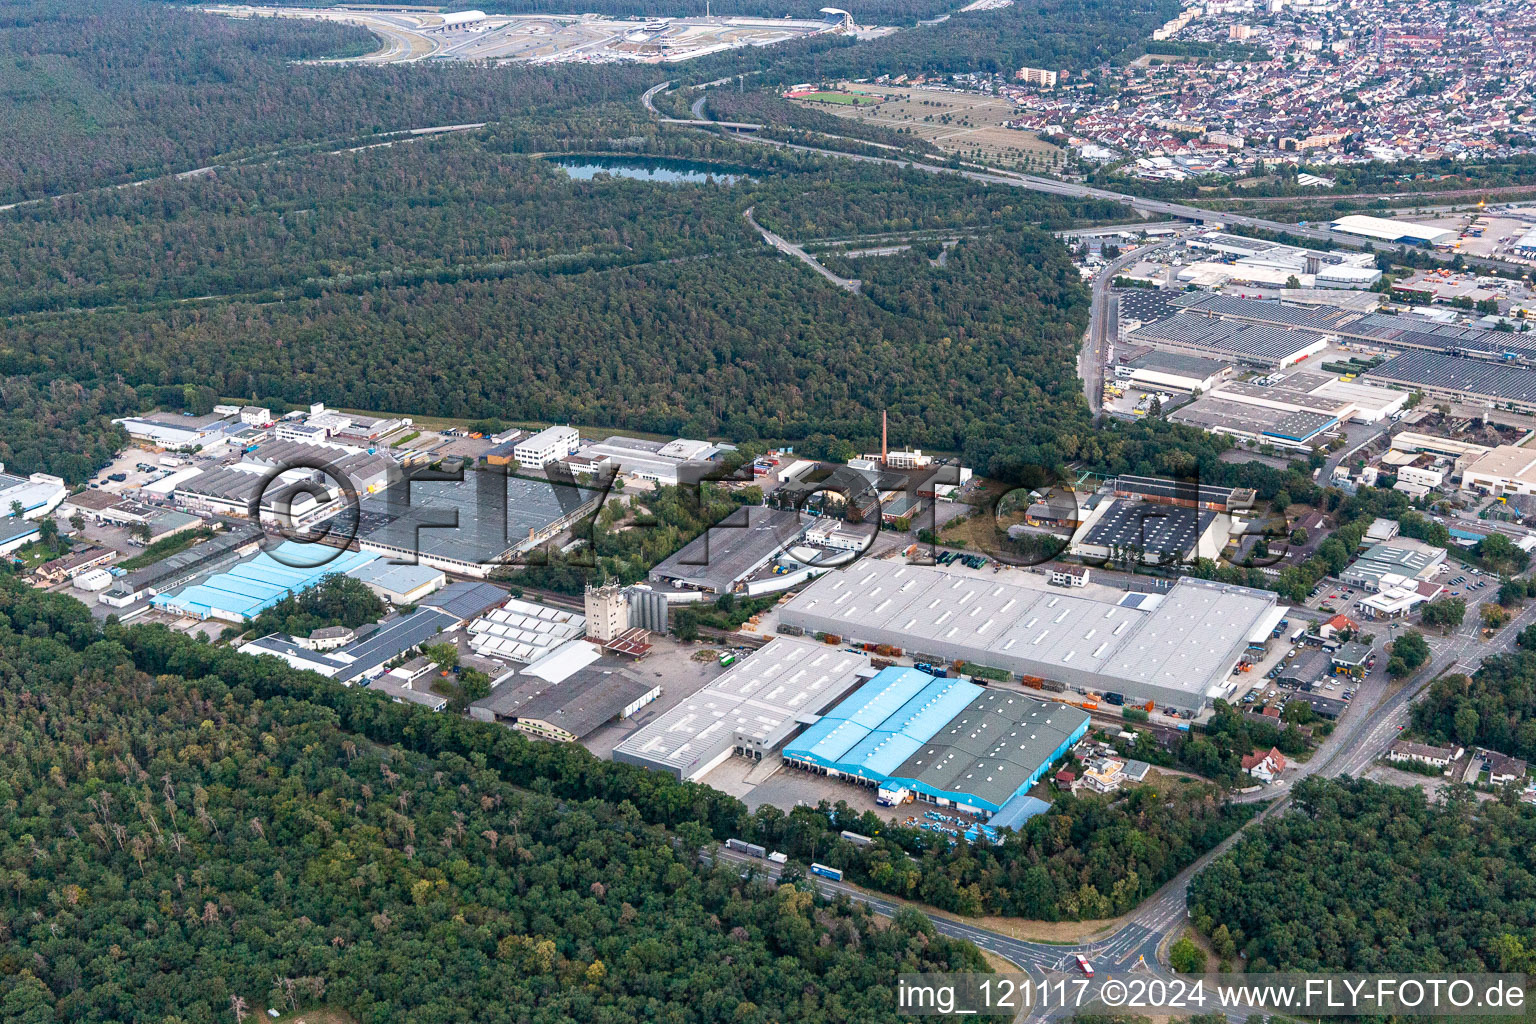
[{"x": 846, "y": 99}]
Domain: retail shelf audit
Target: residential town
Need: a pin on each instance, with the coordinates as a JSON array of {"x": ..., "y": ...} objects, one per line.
[{"x": 1318, "y": 83}]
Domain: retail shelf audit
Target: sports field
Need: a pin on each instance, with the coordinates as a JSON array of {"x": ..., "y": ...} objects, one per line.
[
  {"x": 846, "y": 99},
  {"x": 967, "y": 123}
]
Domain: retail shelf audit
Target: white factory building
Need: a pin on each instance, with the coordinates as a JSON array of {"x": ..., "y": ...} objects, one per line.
[
  {"x": 1303, "y": 390},
  {"x": 1176, "y": 648},
  {"x": 1399, "y": 231},
  {"x": 548, "y": 445},
  {"x": 37, "y": 494},
  {"x": 748, "y": 711},
  {"x": 1507, "y": 469}
]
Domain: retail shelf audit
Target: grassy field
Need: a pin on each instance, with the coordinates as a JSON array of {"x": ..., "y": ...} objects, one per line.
[
  {"x": 840, "y": 98},
  {"x": 970, "y": 124}
]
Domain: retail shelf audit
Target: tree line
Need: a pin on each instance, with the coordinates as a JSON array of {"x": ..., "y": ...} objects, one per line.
[
  {"x": 1373, "y": 878},
  {"x": 180, "y": 848}
]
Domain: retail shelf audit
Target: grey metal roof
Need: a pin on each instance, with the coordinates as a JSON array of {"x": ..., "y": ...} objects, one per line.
[
  {"x": 730, "y": 550},
  {"x": 1186, "y": 642},
  {"x": 1198, "y": 367},
  {"x": 1263, "y": 311},
  {"x": 476, "y": 519},
  {"x": 1179, "y": 490},
  {"x": 992, "y": 747},
  {"x": 464, "y": 600},
  {"x": 1436, "y": 371},
  {"x": 1417, "y": 332},
  {"x": 759, "y": 698},
  {"x": 1228, "y": 338},
  {"x": 577, "y": 704},
  {"x": 1159, "y": 530},
  {"x": 396, "y": 577},
  {"x": 393, "y": 638}
]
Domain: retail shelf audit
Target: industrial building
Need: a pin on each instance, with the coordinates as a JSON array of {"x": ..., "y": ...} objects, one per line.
[
  {"x": 1155, "y": 534},
  {"x": 16, "y": 533},
  {"x": 1310, "y": 316},
  {"x": 364, "y": 658},
  {"x": 38, "y": 494},
  {"x": 1459, "y": 379},
  {"x": 1409, "y": 331},
  {"x": 1172, "y": 371},
  {"x": 947, "y": 742},
  {"x": 399, "y": 582},
  {"x": 250, "y": 588},
  {"x": 658, "y": 462},
  {"x": 171, "y": 430},
  {"x": 548, "y": 445},
  {"x": 1399, "y": 232},
  {"x": 749, "y": 711},
  {"x": 1265, "y": 425},
  {"x": 470, "y": 525},
  {"x": 722, "y": 558},
  {"x": 567, "y": 694},
  {"x": 523, "y": 631},
  {"x": 1270, "y": 347},
  {"x": 1507, "y": 469},
  {"x": 1186, "y": 493},
  {"x": 1401, "y": 561},
  {"x": 1289, "y": 411},
  {"x": 177, "y": 569},
  {"x": 1176, "y": 648}
]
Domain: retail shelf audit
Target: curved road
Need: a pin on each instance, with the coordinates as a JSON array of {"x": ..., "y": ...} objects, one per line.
[
  {"x": 1360, "y": 737},
  {"x": 1052, "y": 186}
]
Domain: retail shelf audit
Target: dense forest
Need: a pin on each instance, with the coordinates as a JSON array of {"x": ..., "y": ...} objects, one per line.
[
  {"x": 1089, "y": 857},
  {"x": 118, "y": 90},
  {"x": 464, "y": 276},
  {"x": 1495, "y": 707},
  {"x": 1366, "y": 877},
  {"x": 185, "y": 845}
]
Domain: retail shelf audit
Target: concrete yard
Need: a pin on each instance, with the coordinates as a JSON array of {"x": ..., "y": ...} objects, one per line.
[
  {"x": 410, "y": 34},
  {"x": 671, "y": 664}
]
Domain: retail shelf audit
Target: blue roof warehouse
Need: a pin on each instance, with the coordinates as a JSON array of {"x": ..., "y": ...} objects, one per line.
[{"x": 942, "y": 741}]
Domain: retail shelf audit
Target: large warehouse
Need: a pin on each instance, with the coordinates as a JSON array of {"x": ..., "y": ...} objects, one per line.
[
  {"x": 1253, "y": 344},
  {"x": 250, "y": 588},
  {"x": 1397, "y": 231},
  {"x": 1459, "y": 379},
  {"x": 749, "y": 710},
  {"x": 1290, "y": 412},
  {"x": 1177, "y": 649},
  {"x": 469, "y": 526},
  {"x": 723, "y": 557},
  {"x": 943, "y": 741}
]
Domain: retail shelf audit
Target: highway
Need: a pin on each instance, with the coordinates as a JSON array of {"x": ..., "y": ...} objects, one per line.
[{"x": 1052, "y": 186}]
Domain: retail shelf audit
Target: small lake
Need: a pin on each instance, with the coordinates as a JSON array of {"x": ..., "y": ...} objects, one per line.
[{"x": 658, "y": 169}]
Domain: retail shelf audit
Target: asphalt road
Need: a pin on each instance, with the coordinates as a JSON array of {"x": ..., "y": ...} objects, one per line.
[
  {"x": 1103, "y": 321},
  {"x": 1052, "y": 186},
  {"x": 1378, "y": 712},
  {"x": 789, "y": 248}
]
